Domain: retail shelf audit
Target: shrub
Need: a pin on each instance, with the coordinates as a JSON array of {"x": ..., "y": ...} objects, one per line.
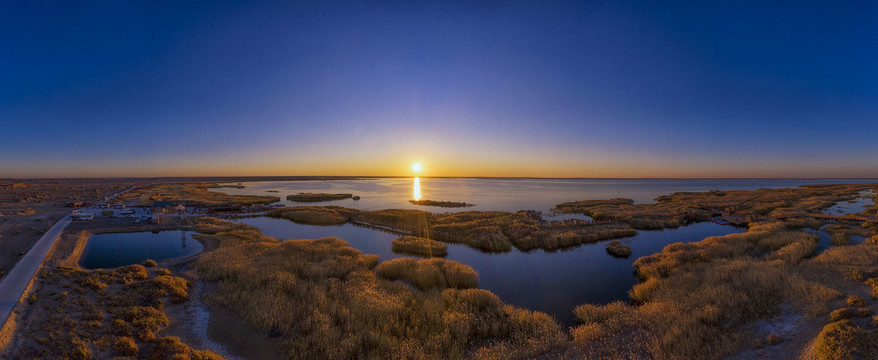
[
  {"x": 178, "y": 288},
  {"x": 854, "y": 300},
  {"x": 839, "y": 340},
  {"x": 125, "y": 346},
  {"x": 170, "y": 347},
  {"x": 841, "y": 314},
  {"x": 163, "y": 272},
  {"x": 80, "y": 350},
  {"x": 773, "y": 339},
  {"x": 864, "y": 312},
  {"x": 149, "y": 263}
]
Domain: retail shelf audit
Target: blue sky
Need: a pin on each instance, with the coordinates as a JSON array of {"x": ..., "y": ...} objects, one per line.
[{"x": 495, "y": 88}]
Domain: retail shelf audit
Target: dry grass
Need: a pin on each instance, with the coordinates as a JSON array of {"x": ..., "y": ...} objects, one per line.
[
  {"x": 843, "y": 340},
  {"x": 324, "y": 301},
  {"x": 679, "y": 208},
  {"x": 193, "y": 193},
  {"x": 428, "y": 274},
  {"x": 326, "y": 215},
  {"x": 421, "y": 246},
  {"x": 74, "y": 318},
  {"x": 448, "y": 204},
  {"x": 492, "y": 231},
  {"x": 617, "y": 249},
  {"x": 694, "y": 299},
  {"x": 317, "y": 197}
]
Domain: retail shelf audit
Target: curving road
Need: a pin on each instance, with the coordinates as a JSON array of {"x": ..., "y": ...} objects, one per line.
[{"x": 13, "y": 285}]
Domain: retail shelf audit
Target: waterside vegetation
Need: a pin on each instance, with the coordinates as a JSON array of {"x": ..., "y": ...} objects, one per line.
[
  {"x": 680, "y": 208},
  {"x": 448, "y": 204},
  {"x": 323, "y": 299},
  {"x": 421, "y": 246},
  {"x": 317, "y": 197},
  {"x": 194, "y": 192},
  {"x": 617, "y": 249},
  {"x": 492, "y": 231}
]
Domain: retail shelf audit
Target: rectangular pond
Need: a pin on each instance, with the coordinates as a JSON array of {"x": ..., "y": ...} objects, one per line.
[{"x": 104, "y": 251}]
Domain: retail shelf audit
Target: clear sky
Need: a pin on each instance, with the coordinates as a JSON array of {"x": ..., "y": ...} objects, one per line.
[{"x": 468, "y": 88}]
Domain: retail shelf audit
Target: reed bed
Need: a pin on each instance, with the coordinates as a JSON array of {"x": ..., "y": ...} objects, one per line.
[
  {"x": 428, "y": 274},
  {"x": 317, "y": 197},
  {"x": 315, "y": 215},
  {"x": 416, "y": 245},
  {"x": 448, "y": 204},
  {"x": 322, "y": 298},
  {"x": 617, "y": 249},
  {"x": 680, "y": 208},
  {"x": 694, "y": 299},
  {"x": 198, "y": 192}
]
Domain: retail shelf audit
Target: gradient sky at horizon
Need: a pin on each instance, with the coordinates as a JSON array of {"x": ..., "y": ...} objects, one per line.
[{"x": 493, "y": 88}]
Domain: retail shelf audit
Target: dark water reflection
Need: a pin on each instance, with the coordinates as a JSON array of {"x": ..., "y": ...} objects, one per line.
[
  {"x": 113, "y": 250},
  {"x": 551, "y": 282}
]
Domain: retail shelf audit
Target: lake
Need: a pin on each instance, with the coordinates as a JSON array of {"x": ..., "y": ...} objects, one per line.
[
  {"x": 553, "y": 282},
  {"x": 504, "y": 194},
  {"x": 119, "y": 249},
  {"x": 550, "y": 281}
]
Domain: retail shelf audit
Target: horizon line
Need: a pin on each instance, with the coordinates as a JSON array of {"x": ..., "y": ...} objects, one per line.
[{"x": 355, "y": 177}]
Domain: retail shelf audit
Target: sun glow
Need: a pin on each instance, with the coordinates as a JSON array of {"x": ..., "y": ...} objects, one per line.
[
  {"x": 416, "y": 167},
  {"x": 416, "y": 191}
]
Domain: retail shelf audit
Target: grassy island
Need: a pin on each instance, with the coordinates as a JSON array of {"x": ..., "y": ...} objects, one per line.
[
  {"x": 448, "y": 204},
  {"x": 617, "y": 249},
  {"x": 416, "y": 245},
  {"x": 317, "y": 197}
]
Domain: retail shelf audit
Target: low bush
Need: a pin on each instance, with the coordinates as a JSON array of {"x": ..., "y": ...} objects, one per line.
[
  {"x": 854, "y": 300},
  {"x": 841, "y": 314},
  {"x": 125, "y": 346},
  {"x": 840, "y": 340}
]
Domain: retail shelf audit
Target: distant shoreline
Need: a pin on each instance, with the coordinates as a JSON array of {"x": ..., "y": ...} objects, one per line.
[{"x": 327, "y": 178}]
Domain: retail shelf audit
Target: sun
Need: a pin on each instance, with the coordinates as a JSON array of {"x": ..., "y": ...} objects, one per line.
[{"x": 416, "y": 167}]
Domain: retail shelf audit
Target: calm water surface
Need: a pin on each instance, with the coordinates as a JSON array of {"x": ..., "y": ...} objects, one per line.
[
  {"x": 551, "y": 282},
  {"x": 113, "y": 250},
  {"x": 859, "y": 204},
  {"x": 498, "y": 194}
]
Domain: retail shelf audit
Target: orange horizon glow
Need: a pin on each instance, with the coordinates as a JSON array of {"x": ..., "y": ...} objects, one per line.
[{"x": 448, "y": 161}]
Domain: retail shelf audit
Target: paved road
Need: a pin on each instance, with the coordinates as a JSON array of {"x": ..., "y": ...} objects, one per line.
[{"x": 13, "y": 285}]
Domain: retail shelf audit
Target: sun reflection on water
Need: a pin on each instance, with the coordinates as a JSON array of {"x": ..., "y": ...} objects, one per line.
[{"x": 416, "y": 193}]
